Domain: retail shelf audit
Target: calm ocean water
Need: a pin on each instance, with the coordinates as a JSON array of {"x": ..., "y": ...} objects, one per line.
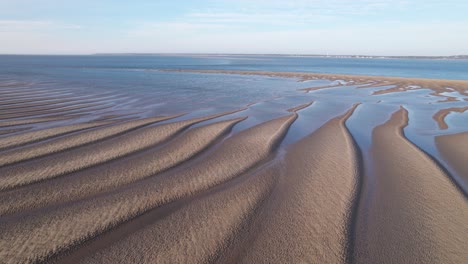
[
  {"x": 80, "y": 66},
  {"x": 138, "y": 75}
]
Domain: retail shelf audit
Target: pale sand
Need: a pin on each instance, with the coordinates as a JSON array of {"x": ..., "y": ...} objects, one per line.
[
  {"x": 74, "y": 140},
  {"x": 38, "y": 120},
  {"x": 196, "y": 233},
  {"x": 369, "y": 81},
  {"x": 311, "y": 207},
  {"x": 454, "y": 149},
  {"x": 25, "y": 138},
  {"x": 116, "y": 173},
  {"x": 34, "y": 237},
  {"x": 67, "y": 111},
  {"x": 415, "y": 214},
  {"x": 56, "y": 165},
  {"x": 98, "y": 186},
  {"x": 299, "y": 107}
]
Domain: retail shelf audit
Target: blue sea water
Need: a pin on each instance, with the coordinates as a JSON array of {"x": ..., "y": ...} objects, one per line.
[
  {"x": 69, "y": 66},
  {"x": 139, "y": 75}
]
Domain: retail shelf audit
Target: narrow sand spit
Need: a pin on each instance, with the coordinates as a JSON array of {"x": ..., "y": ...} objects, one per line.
[
  {"x": 440, "y": 116},
  {"x": 416, "y": 215},
  {"x": 306, "y": 219},
  {"x": 399, "y": 82},
  {"x": 300, "y": 107},
  {"x": 454, "y": 150}
]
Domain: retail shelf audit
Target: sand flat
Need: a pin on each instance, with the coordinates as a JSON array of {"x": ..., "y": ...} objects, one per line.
[{"x": 112, "y": 177}]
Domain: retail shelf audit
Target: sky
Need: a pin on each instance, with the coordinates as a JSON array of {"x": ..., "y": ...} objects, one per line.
[{"x": 335, "y": 27}]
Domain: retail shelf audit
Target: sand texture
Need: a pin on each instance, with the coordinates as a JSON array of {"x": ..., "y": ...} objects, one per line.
[
  {"x": 415, "y": 206},
  {"x": 317, "y": 177},
  {"x": 454, "y": 149}
]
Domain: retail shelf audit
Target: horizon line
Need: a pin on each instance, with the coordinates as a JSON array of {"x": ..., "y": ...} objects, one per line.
[{"x": 456, "y": 56}]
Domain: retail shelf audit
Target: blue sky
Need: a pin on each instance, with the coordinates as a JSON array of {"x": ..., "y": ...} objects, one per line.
[{"x": 373, "y": 27}]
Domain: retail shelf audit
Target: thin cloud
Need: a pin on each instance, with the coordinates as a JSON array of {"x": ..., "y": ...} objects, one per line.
[{"x": 33, "y": 25}]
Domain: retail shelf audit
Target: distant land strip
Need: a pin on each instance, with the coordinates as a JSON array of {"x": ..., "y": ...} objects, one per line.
[{"x": 396, "y": 83}]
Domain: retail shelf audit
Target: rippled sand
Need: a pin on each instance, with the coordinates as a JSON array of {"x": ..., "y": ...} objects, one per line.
[{"x": 331, "y": 178}]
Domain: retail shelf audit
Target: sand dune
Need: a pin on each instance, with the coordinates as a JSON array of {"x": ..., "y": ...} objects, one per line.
[{"x": 414, "y": 206}]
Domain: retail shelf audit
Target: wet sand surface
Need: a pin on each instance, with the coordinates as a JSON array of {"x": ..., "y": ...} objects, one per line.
[{"x": 341, "y": 169}]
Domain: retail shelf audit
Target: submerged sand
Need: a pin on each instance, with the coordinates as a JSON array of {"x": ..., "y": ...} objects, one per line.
[{"x": 81, "y": 184}]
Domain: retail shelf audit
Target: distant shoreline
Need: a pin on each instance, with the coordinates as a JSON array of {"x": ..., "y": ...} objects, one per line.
[{"x": 451, "y": 57}]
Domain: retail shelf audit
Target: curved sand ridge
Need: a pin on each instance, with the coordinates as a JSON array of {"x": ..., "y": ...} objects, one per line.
[
  {"x": 115, "y": 173},
  {"x": 454, "y": 149},
  {"x": 29, "y": 137},
  {"x": 198, "y": 232},
  {"x": 440, "y": 116},
  {"x": 38, "y": 120},
  {"x": 74, "y": 140},
  {"x": 88, "y": 218},
  {"x": 59, "y": 164},
  {"x": 310, "y": 209},
  {"x": 416, "y": 214}
]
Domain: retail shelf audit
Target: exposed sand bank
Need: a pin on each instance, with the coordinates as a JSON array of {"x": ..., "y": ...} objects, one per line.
[
  {"x": 310, "y": 208},
  {"x": 454, "y": 149},
  {"x": 92, "y": 179},
  {"x": 399, "y": 83},
  {"x": 414, "y": 206},
  {"x": 440, "y": 116}
]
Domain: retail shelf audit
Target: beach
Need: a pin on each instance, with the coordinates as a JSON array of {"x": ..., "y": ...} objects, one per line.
[{"x": 329, "y": 168}]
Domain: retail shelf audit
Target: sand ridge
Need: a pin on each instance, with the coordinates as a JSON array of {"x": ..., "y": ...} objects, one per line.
[
  {"x": 86, "y": 219},
  {"x": 308, "y": 211},
  {"x": 426, "y": 221},
  {"x": 454, "y": 149},
  {"x": 116, "y": 173}
]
